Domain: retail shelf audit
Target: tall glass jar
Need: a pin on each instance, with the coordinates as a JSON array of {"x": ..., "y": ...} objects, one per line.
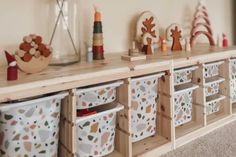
[{"x": 64, "y": 28}]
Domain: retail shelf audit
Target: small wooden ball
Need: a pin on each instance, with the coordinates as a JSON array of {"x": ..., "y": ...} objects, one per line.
[
  {"x": 32, "y": 51},
  {"x": 20, "y": 53},
  {"x": 27, "y": 57},
  {"x": 27, "y": 39},
  {"x": 25, "y": 47}
]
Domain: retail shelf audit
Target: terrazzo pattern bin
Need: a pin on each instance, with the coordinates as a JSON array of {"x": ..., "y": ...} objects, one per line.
[
  {"x": 233, "y": 90},
  {"x": 183, "y": 105},
  {"x": 184, "y": 75},
  {"x": 30, "y": 128},
  {"x": 213, "y": 88},
  {"x": 96, "y": 95},
  {"x": 212, "y": 69},
  {"x": 144, "y": 106},
  {"x": 213, "y": 106},
  {"x": 96, "y": 133},
  {"x": 233, "y": 80}
]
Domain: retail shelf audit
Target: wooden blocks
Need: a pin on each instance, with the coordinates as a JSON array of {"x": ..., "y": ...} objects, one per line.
[{"x": 133, "y": 58}]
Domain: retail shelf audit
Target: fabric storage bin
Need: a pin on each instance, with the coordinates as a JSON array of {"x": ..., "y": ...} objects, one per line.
[
  {"x": 31, "y": 127},
  {"x": 96, "y": 133},
  {"x": 212, "y": 69},
  {"x": 183, "y": 104},
  {"x": 213, "y": 87},
  {"x": 144, "y": 106},
  {"x": 214, "y": 104},
  {"x": 96, "y": 95},
  {"x": 183, "y": 75}
]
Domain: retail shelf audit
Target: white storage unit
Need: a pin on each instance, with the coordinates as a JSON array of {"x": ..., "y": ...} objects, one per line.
[
  {"x": 144, "y": 93},
  {"x": 96, "y": 133},
  {"x": 212, "y": 86},
  {"x": 183, "y": 103},
  {"x": 214, "y": 104},
  {"x": 30, "y": 127},
  {"x": 183, "y": 75},
  {"x": 213, "y": 81},
  {"x": 93, "y": 96},
  {"x": 212, "y": 69}
]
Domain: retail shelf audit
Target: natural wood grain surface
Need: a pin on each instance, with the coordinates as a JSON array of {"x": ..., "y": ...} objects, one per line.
[{"x": 112, "y": 68}]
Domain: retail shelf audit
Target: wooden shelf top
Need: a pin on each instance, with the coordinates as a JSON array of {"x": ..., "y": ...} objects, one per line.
[{"x": 112, "y": 68}]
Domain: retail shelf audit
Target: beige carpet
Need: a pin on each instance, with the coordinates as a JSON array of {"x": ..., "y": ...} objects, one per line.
[{"x": 220, "y": 143}]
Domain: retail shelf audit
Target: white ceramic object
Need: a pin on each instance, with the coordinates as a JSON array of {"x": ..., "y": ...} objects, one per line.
[
  {"x": 144, "y": 105},
  {"x": 144, "y": 16},
  {"x": 212, "y": 69},
  {"x": 183, "y": 104},
  {"x": 30, "y": 128},
  {"x": 97, "y": 95},
  {"x": 96, "y": 133},
  {"x": 183, "y": 75},
  {"x": 214, "y": 104}
]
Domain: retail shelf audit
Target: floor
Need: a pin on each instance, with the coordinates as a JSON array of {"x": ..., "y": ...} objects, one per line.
[{"x": 220, "y": 143}]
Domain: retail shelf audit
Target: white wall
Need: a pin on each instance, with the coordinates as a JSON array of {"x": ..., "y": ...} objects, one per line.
[{"x": 19, "y": 18}]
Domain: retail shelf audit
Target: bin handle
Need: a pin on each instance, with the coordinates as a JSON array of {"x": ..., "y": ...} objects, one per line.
[
  {"x": 118, "y": 107},
  {"x": 186, "y": 69},
  {"x": 115, "y": 84},
  {"x": 8, "y": 106},
  {"x": 148, "y": 77}
]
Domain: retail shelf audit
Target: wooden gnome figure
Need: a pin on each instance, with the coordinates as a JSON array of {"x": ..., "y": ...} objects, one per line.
[
  {"x": 225, "y": 42},
  {"x": 174, "y": 34},
  {"x": 147, "y": 44},
  {"x": 149, "y": 35},
  {"x": 12, "y": 73}
]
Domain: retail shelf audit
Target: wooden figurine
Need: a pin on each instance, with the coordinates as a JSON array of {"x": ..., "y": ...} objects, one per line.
[
  {"x": 147, "y": 31},
  {"x": 98, "y": 47},
  {"x": 164, "y": 46},
  {"x": 12, "y": 73},
  {"x": 187, "y": 45},
  {"x": 200, "y": 16},
  {"x": 134, "y": 51},
  {"x": 225, "y": 42},
  {"x": 174, "y": 34},
  {"x": 218, "y": 43},
  {"x": 33, "y": 55}
]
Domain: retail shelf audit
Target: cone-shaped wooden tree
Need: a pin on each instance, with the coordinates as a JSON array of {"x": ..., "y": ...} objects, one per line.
[{"x": 201, "y": 19}]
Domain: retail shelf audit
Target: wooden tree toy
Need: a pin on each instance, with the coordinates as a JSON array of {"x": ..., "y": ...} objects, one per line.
[
  {"x": 33, "y": 55},
  {"x": 201, "y": 18},
  {"x": 147, "y": 32},
  {"x": 98, "y": 47},
  {"x": 12, "y": 73},
  {"x": 174, "y": 34}
]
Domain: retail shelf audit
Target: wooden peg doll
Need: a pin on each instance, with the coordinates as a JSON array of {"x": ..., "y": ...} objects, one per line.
[
  {"x": 12, "y": 73},
  {"x": 225, "y": 42}
]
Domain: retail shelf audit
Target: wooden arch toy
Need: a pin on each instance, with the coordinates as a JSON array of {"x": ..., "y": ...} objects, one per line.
[{"x": 201, "y": 18}]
